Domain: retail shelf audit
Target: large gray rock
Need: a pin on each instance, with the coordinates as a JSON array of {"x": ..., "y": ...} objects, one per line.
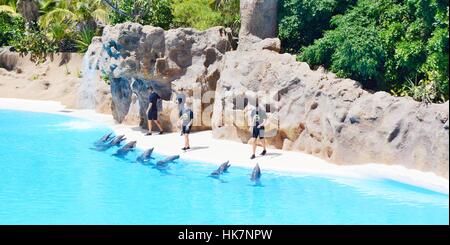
[
  {"x": 135, "y": 57},
  {"x": 8, "y": 59},
  {"x": 318, "y": 113},
  {"x": 258, "y": 22}
]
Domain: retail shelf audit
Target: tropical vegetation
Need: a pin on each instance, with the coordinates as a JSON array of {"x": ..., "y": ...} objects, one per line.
[
  {"x": 70, "y": 25},
  {"x": 399, "y": 46}
]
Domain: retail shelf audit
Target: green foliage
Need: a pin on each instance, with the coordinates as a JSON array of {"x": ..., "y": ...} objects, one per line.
[
  {"x": 84, "y": 39},
  {"x": 80, "y": 12},
  {"x": 61, "y": 34},
  {"x": 105, "y": 77},
  {"x": 195, "y": 13},
  {"x": 146, "y": 12},
  {"x": 300, "y": 22},
  {"x": 10, "y": 27},
  {"x": 8, "y": 6},
  {"x": 35, "y": 43},
  {"x": 230, "y": 12},
  {"x": 391, "y": 45}
]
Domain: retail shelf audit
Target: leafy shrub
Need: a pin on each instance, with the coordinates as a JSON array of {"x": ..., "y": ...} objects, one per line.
[
  {"x": 153, "y": 12},
  {"x": 35, "y": 43},
  {"x": 62, "y": 34},
  {"x": 230, "y": 14},
  {"x": 11, "y": 26},
  {"x": 391, "y": 45},
  {"x": 195, "y": 13},
  {"x": 84, "y": 38},
  {"x": 300, "y": 22}
]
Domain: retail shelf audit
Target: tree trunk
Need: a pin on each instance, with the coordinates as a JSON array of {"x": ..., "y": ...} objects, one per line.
[{"x": 29, "y": 9}]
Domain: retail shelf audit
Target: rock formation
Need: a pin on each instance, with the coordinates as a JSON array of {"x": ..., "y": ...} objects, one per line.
[
  {"x": 333, "y": 118},
  {"x": 8, "y": 59},
  {"x": 135, "y": 57},
  {"x": 309, "y": 110},
  {"x": 258, "y": 22}
]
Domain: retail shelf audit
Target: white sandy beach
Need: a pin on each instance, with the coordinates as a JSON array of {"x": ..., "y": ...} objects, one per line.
[{"x": 209, "y": 150}]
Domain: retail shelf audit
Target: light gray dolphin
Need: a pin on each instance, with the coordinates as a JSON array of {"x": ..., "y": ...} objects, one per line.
[
  {"x": 222, "y": 168},
  {"x": 145, "y": 156},
  {"x": 225, "y": 166},
  {"x": 114, "y": 142},
  {"x": 256, "y": 174},
  {"x": 117, "y": 140},
  {"x": 125, "y": 149},
  {"x": 167, "y": 160},
  {"x": 105, "y": 138}
]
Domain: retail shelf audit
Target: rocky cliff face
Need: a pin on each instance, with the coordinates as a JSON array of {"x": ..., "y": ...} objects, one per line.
[
  {"x": 258, "y": 22},
  {"x": 135, "y": 57},
  {"x": 330, "y": 117},
  {"x": 308, "y": 110}
]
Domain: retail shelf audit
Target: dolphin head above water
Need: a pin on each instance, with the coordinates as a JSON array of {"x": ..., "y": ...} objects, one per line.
[
  {"x": 224, "y": 167},
  {"x": 129, "y": 145},
  {"x": 256, "y": 173},
  {"x": 145, "y": 156},
  {"x": 106, "y": 137},
  {"x": 148, "y": 153},
  {"x": 168, "y": 160},
  {"x": 118, "y": 139}
]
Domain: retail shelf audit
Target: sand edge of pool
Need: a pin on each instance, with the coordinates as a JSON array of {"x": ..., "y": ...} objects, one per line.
[{"x": 204, "y": 146}]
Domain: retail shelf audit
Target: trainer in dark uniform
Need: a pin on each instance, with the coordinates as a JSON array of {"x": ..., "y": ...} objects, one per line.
[
  {"x": 259, "y": 118},
  {"x": 152, "y": 112},
  {"x": 186, "y": 120}
]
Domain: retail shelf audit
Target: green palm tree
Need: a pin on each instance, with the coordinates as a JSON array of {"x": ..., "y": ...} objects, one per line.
[
  {"x": 81, "y": 11},
  {"x": 9, "y": 6}
]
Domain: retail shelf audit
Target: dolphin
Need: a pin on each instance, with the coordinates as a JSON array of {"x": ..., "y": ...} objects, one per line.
[
  {"x": 256, "y": 174},
  {"x": 167, "y": 160},
  {"x": 125, "y": 149},
  {"x": 145, "y": 156},
  {"x": 104, "y": 139},
  {"x": 222, "y": 168},
  {"x": 114, "y": 142},
  {"x": 117, "y": 140},
  {"x": 225, "y": 166}
]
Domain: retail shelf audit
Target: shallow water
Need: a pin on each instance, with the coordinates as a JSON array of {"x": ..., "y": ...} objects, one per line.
[{"x": 49, "y": 175}]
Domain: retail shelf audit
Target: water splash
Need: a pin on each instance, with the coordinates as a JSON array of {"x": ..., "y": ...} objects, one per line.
[{"x": 88, "y": 87}]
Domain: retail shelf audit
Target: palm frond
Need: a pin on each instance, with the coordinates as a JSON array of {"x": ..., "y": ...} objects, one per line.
[
  {"x": 8, "y": 9},
  {"x": 57, "y": 15},
  {"x": 100, "y": 15}
]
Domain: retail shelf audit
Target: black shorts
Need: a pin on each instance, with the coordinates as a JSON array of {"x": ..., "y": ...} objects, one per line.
[
  {"x": 153, "y": 115},
  {"x": 186, "y": 130},
  {"x": 258, "y": 132}
]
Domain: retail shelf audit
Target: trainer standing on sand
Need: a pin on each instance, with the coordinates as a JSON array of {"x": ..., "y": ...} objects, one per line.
[
  {"x": 259, "y": 118},
  {"x": 152, "y": 111},
  {"x": 185, "y": 122}
]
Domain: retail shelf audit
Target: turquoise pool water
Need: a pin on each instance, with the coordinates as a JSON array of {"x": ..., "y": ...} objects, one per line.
[{"x": 49, "y": 175}]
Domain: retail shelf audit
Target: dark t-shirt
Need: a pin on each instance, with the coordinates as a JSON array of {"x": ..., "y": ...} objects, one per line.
[
  {"x": 186, "y": 116},
  {"x": 153, "y": 98},
  {"x": 181, "y": 98},
  {"x": 258, "y": 117}
]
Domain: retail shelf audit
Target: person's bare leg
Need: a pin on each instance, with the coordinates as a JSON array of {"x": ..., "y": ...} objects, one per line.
[
  {"x": 186, "y": 140},
  {"x": 149, "y": 126},
  {"x": 159, "y": 125},
  {"x": 263, "y": 141},
  {"x": 254, "y": 146}
]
